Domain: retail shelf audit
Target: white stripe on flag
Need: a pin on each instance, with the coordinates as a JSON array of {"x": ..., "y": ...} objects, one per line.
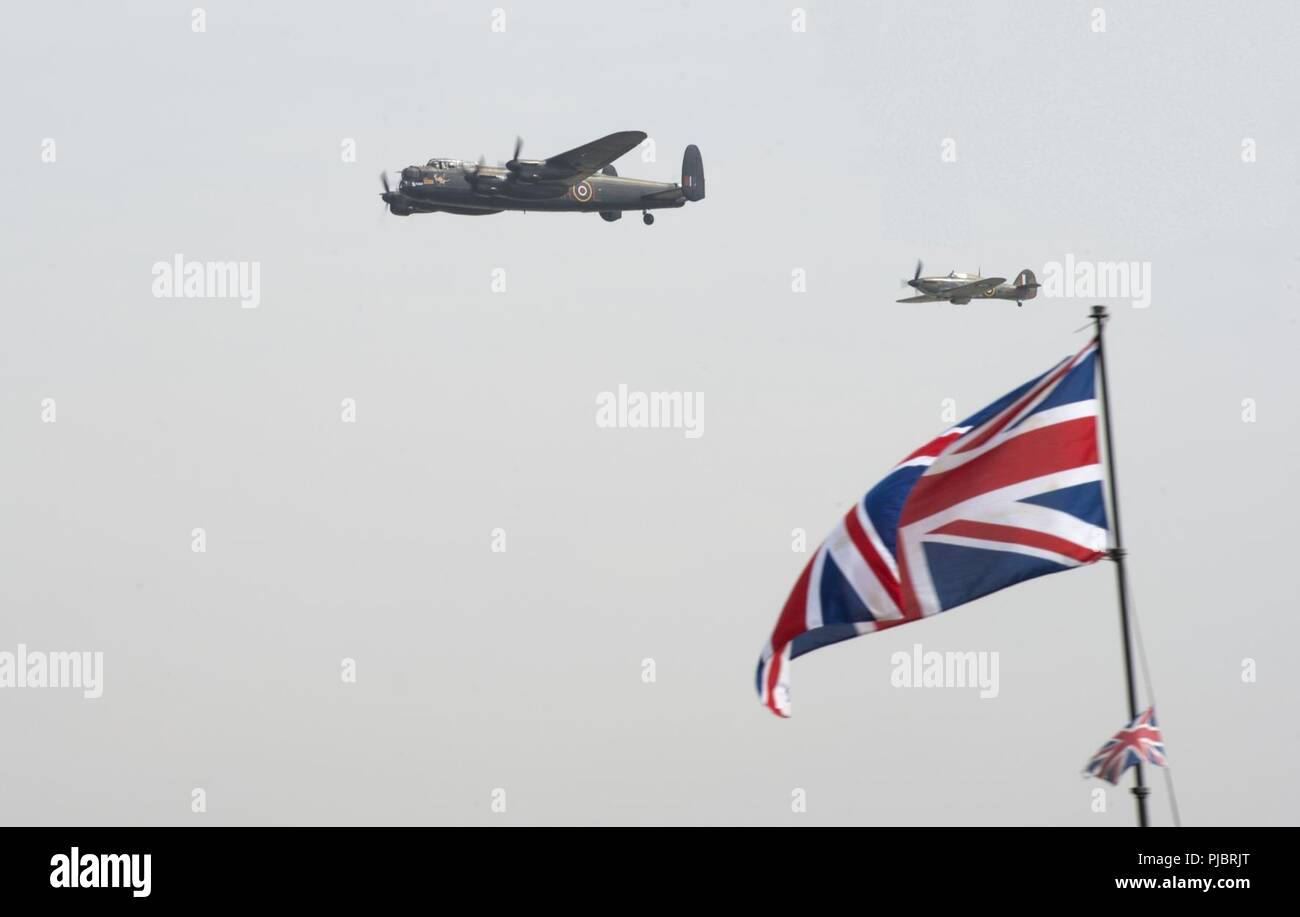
[
  {"x": 860, "y": 576},
  {"x": 874, "y": 538},
  {"x": 911, "y": 538},
  {"x": 1043, "y": 519},
  {"x": 813, "y": 607}
]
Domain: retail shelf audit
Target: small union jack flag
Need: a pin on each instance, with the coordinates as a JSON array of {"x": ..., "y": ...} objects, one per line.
[
  {"x": 1012, "y": 492},
  {"x": 1140, "y": 740}
]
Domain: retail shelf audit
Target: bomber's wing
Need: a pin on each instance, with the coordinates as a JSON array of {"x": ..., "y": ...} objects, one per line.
[
  {"x": 980, "y": 287},
  {"x": 924, "y": 297},
  {"x": 579, "y": 162}
]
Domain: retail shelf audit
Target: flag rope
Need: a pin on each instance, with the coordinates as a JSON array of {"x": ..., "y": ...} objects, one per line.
[{"x": 1151, "y": 697}]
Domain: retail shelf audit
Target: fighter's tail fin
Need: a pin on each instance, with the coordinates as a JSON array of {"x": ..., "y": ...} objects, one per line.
[
  {"x": 1027, "y": 282},
  {"x": 692, "y": 174}
]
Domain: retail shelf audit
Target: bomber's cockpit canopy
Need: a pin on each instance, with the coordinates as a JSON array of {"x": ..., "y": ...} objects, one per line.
[{"x": 443, "y": 164}]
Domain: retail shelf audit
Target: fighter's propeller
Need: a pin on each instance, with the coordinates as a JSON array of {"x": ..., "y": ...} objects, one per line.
[
  {"x": 383, "y": 179},
  {"x": 915, "y": 277}
]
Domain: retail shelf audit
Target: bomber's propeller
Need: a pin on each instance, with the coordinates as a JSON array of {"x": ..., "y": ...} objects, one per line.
[
  {"x": 471, "y": 172},
  {"x": 519, "y": 148},
  {"x": 383, "y": 177}
]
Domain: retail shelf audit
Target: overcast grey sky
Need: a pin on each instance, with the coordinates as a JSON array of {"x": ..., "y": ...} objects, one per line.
[{"x": 824, "y": 152}]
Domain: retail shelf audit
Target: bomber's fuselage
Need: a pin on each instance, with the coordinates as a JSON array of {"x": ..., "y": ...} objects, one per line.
[{"x": 460, "y": 187}]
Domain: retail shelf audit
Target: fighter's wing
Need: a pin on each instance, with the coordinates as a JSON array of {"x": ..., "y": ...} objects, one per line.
[
  {"x": 978, "y": 288},
  {"x": 924, "y": 297},
  {"x": 579, "y": 162}
]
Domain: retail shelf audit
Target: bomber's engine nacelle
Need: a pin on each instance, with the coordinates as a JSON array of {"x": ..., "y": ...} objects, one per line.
[
  {"x": 528, "y": 170},
  {"x": 535, "y": 170},
  {"x": 489, "y": 184}
]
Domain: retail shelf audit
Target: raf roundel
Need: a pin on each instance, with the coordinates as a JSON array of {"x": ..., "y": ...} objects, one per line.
[{"x": 582, "y": 191}]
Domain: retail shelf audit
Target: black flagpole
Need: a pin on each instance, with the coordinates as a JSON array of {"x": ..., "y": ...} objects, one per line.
[{"x": 1140, "y": 790}]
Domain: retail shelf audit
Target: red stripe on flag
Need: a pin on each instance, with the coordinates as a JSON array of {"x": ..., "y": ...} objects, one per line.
[
  {"x": 873, "y": 560},
  {"x": 1047, "y": 450},
  {"x": 935, "y": 446},
  {"x": 995, "y": 426},
  {"x": 794, "y": 615},
  {"x": 1012, "y": 534},
  {"x": 910, "y": 606}
]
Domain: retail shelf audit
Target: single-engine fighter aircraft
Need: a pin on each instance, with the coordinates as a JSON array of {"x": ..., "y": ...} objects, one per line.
[
  {"x": 580, "y": 180},
  {"x": 961, "y": 288}
]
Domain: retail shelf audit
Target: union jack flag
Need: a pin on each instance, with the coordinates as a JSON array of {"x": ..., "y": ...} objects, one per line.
[
  {"x": 1010, "y": 493},
  {"x": 1140, "y": 740}
]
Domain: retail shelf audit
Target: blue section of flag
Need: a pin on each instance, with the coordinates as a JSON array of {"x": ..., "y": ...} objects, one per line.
[
  {"x": 840, "y": 604},
  {"x": 962, "y": 572},
  {"x": 1078, "y": 385},
  {"x": 1082, "y": 501},
  {"x": 884, "y": 503},
  {"x": 822, "y": 636},
  {"x": 985, "y": 414}
]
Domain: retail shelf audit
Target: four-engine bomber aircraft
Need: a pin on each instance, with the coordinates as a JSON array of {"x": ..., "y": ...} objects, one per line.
[
  {"x": 580, "y": 180},
  {"x": 961, "y": 288}
]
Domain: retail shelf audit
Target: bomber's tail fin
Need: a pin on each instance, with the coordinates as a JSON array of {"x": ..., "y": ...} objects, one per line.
[{"x": 692, "y": 174}]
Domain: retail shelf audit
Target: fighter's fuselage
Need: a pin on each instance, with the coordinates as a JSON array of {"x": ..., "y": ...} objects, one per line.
[{"x": 941, "y": 286}]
